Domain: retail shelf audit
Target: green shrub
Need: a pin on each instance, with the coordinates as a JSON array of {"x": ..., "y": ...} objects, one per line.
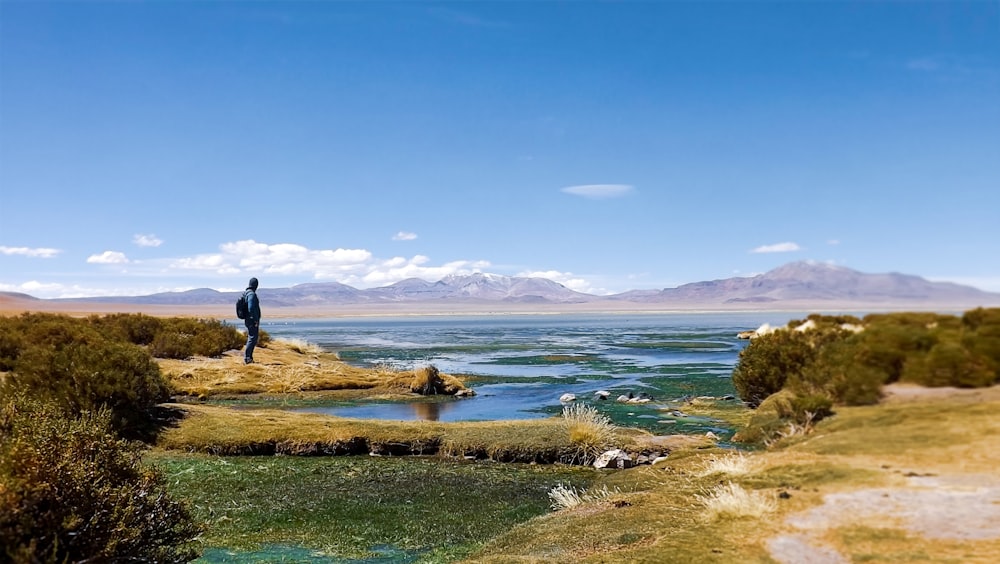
[
  {"x": 121, "y": 377},
  {"x": 182, "y": 338},
  {"x": 948, "y": 363},
  {"x": 70, "y": 491},
  {"x": 11, "y": 342},
  {"x": 136, "y": 328},
  {"x": 765, "y": 364},
  {"x": 841, "y": 372}
]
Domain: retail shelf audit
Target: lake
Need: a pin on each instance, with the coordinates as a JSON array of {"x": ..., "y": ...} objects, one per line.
[{"x": 520, "y": 365}]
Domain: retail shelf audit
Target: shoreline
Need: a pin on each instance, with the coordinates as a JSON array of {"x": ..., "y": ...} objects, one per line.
[{"x": 11, "y": 305}]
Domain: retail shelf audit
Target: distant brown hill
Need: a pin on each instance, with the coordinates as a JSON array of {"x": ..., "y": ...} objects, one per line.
[
  {"x": 798, "y": 285},
  {"x": 819, "y": 283}
]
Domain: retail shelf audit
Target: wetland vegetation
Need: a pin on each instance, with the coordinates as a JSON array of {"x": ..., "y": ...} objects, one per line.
[{"x": 233, "y": 470}]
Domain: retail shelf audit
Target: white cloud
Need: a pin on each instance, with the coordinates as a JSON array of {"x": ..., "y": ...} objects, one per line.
[
  {"x": 355, "y": 267},
  {"x": 404, "y": 236},
  {"x": 55, "y": 290},
  {"x": 599, "y": 191},
  {"x": 28, "y": 252},
  {"x": 397, "y": 269},
  {"x": 833, "y": 242},
  {"x": 786, "y": 247},
  {"x": 108, "y": 257},
  {"x": 147, "y": 240}
]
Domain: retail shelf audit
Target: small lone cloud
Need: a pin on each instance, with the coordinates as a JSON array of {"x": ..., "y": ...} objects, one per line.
[
  {"x": 925, "y": 64},
  {"x": 404, "y": 236},
  {"x": 28, "y": 252},
  {"x": 599, "y": 191},
  {"x": 108, "y": 257},
  {"x": 786, "y": 247},
  {"x": 147, "y": 240}
]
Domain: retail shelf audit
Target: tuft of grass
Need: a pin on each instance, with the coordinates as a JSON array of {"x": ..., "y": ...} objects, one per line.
[
  {"x": 731, "y": 500},
  {"x": 590, "y": 432},
  {"x": 567, "y": 497},
  {"x": 735, "y": 464},
  {"x": 300, "y": 346}
]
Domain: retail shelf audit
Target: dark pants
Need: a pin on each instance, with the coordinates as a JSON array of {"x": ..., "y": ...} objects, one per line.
[{"x": 252, "y": 332}]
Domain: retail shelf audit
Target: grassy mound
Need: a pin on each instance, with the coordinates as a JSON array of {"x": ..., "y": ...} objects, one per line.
[{"x": 292, "y": 367}]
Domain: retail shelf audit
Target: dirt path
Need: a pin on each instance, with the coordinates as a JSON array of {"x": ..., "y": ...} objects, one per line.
[{"x": 945, "y": 506}]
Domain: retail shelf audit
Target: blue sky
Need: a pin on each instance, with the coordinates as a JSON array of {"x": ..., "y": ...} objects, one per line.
[{"x": 155, "y": 146}]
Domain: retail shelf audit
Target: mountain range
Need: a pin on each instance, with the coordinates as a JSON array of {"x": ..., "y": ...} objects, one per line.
[{"x": 803, "y": 283}]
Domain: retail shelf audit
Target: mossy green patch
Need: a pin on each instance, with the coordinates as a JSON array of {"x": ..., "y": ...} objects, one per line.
[{"x": 344, "y": 506}]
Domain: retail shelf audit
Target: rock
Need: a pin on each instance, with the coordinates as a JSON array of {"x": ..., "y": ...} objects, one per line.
[
  {"x": 465, "y": 393},
  {"x": 659, "y": 459},
  {"x": 712, "y": 436},
  {"x": 678, "y": 413},
  {"x": 622, "y": 399},
  {"x": 615, "y": 458},
  {"x": 601, "y": 395},
  {"x": 639, "y": 400},
  {"x": 745, "y": 334},
  {"x": 728, "y": 397},
  {"x": 566, "y": 398}
]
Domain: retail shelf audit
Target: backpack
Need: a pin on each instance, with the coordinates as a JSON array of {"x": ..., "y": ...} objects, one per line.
[{"x": 241, "y": 306}]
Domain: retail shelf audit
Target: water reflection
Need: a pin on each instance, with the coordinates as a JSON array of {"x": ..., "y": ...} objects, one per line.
[{"x": 429, "y": 411}]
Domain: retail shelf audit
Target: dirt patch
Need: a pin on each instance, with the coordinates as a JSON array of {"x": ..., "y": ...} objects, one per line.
[
  {"x": 902, "y": 393},
  {"x": 957, "y": 507}
]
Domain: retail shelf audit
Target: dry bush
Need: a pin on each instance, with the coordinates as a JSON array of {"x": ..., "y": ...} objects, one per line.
[
  {"x": 731, "y": 500},
  {"x": 425, "y": 381},
  {"x": 590, "y": 432},
  {"x": 793, "y": 429},
  {"x": 72, "y": 491}
]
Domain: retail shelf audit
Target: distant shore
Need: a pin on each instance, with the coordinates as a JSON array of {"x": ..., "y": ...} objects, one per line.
[{"x": 14, "y": 305}]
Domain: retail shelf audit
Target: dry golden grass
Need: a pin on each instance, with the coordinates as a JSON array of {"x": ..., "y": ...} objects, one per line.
[
  {"x": 590, "y": 432},
  {"x": 731, "y": 500},
  {"x": 733, "y": 464},
  {"x": 674, "y": 513},
  {"x": 228, "y": 431},
  {"x": 294, "y": 367}
]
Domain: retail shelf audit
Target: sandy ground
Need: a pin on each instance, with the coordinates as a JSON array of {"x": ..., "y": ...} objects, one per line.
[
  {"x": 958, "y": 506},
  {"x": 955, "y": 506}
]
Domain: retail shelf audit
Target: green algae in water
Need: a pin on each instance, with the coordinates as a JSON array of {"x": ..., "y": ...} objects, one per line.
[
  {"x": 536, "y": 360},
  {"x": 343, "y": 506}
]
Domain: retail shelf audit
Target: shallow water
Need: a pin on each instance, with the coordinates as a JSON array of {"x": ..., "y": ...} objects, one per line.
[{"x": 520, "y": 365}]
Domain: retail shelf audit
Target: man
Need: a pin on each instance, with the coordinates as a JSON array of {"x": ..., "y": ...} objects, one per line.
[{"x": 252, "y": 320}]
